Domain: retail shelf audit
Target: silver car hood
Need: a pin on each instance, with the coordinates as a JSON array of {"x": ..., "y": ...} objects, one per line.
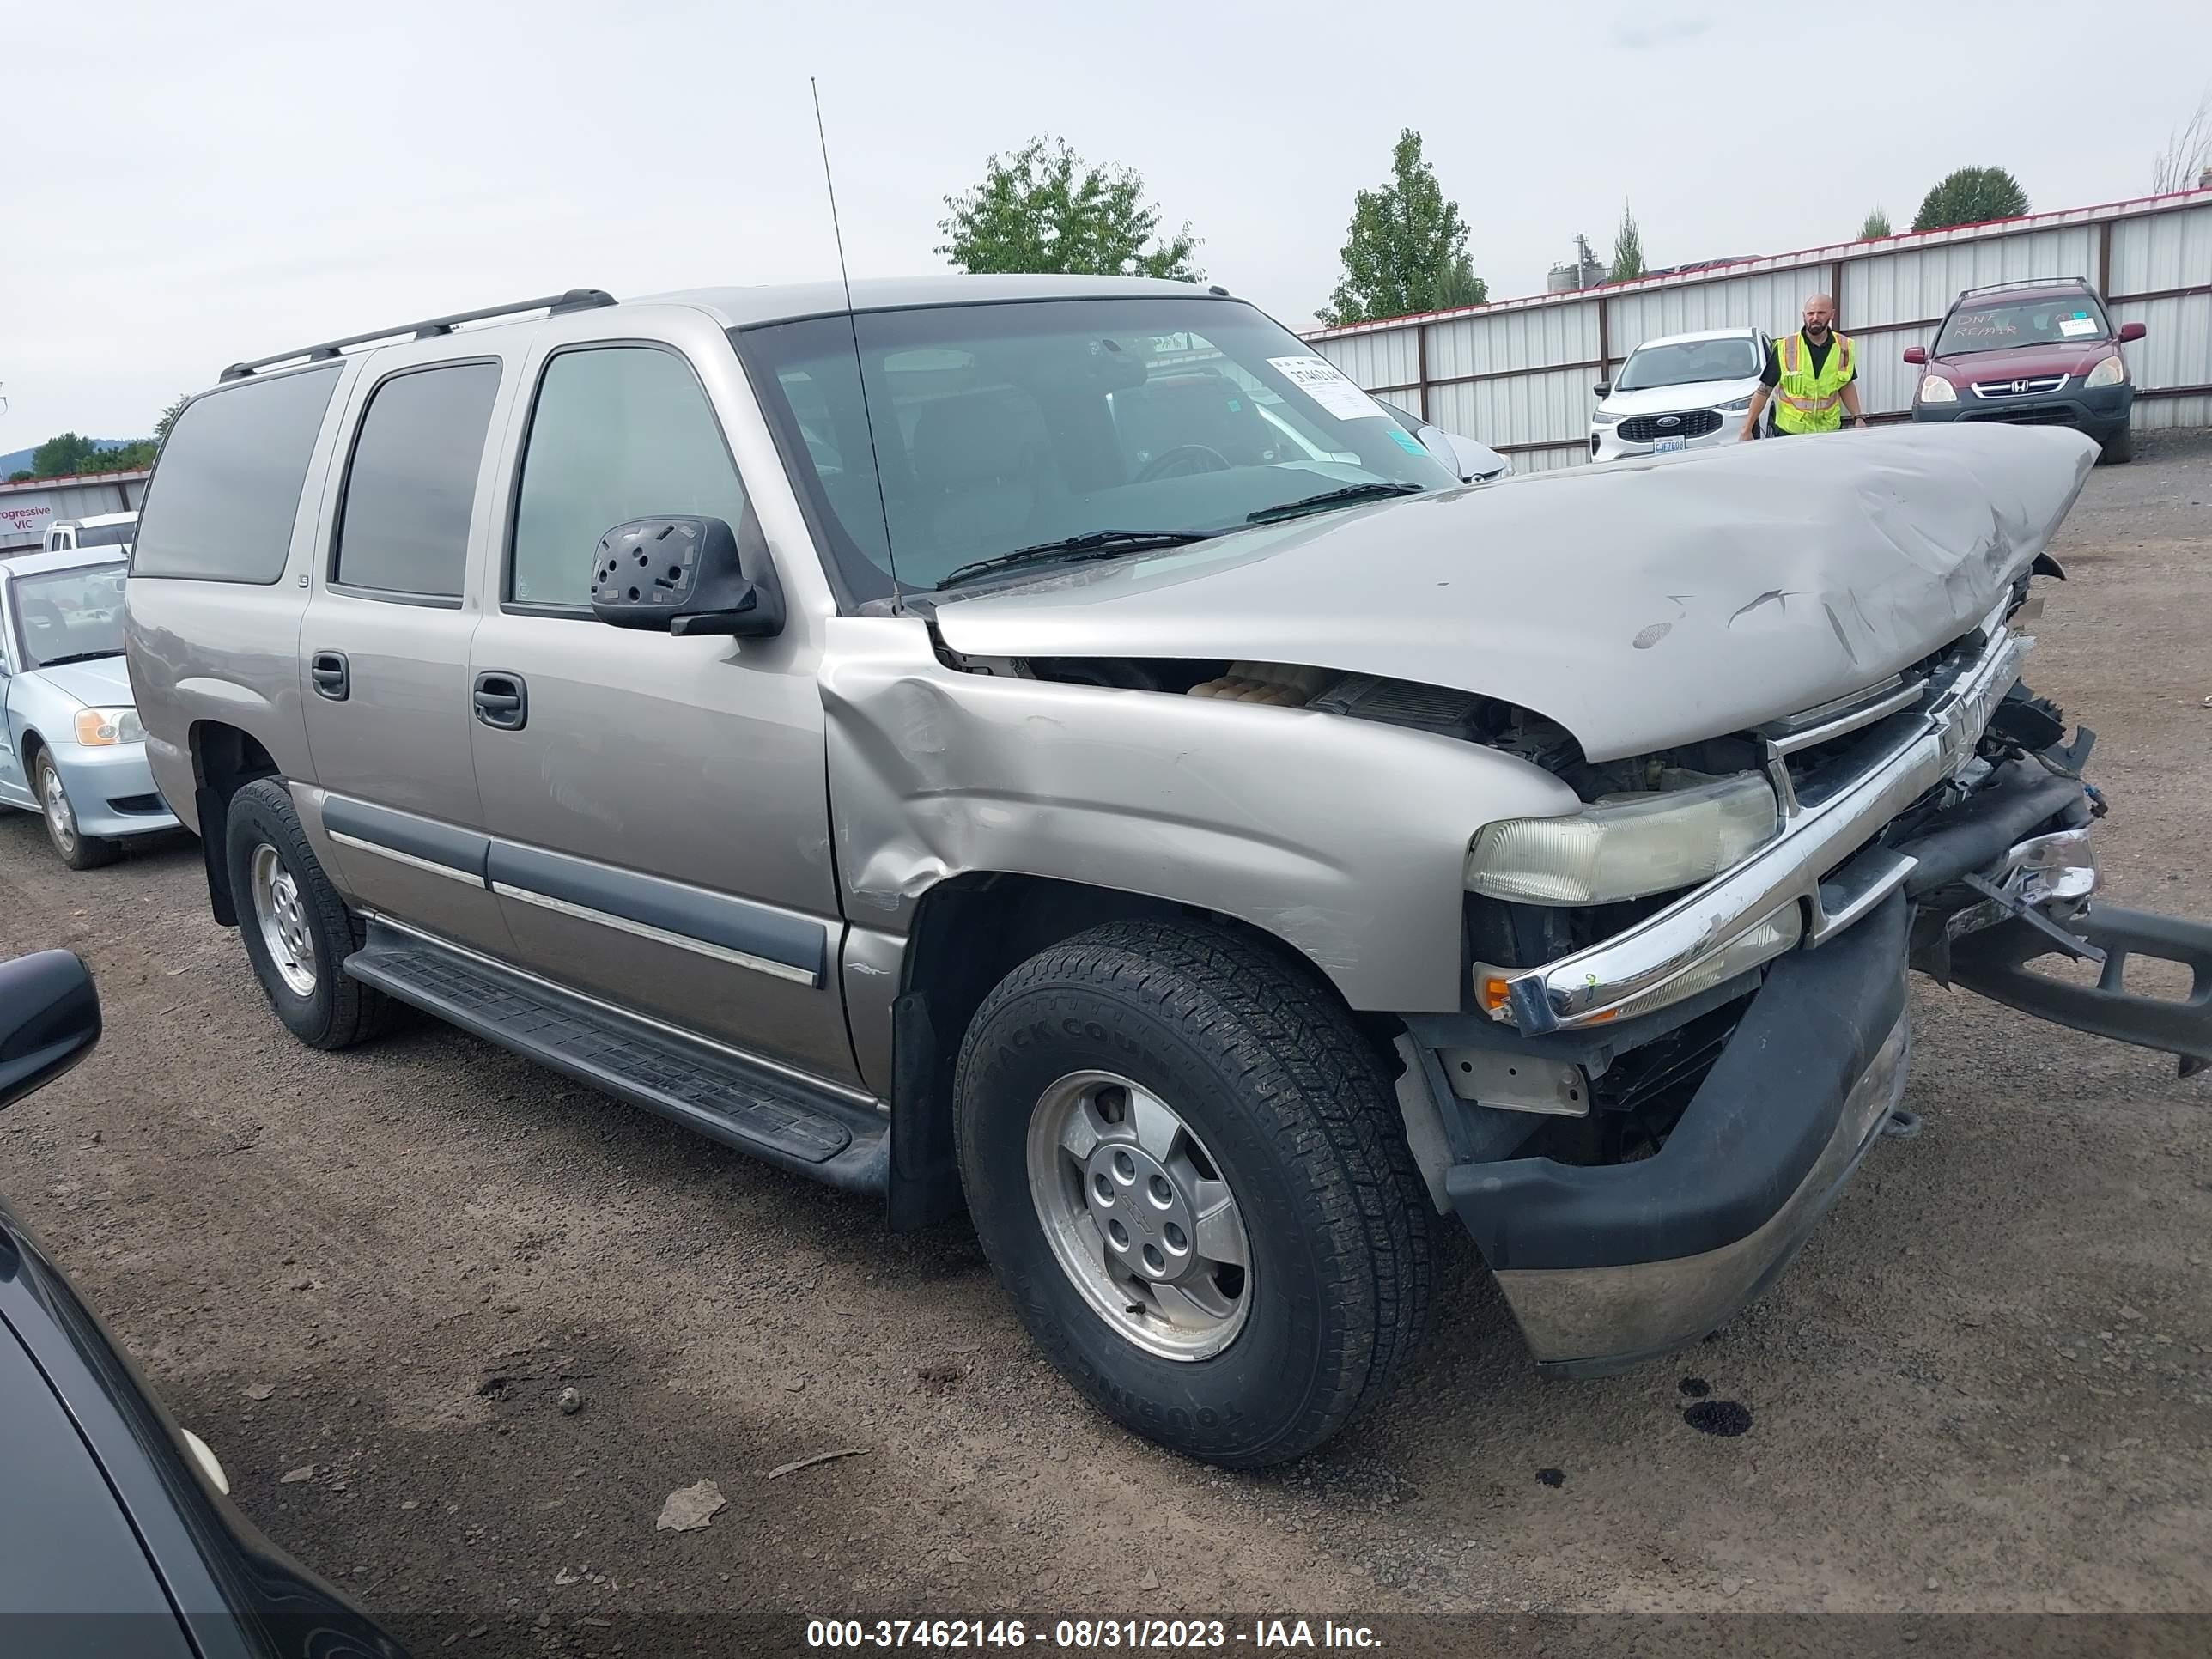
[
  {"x": 1640, "y": 604},
  {"x": 97, "y": 683}
]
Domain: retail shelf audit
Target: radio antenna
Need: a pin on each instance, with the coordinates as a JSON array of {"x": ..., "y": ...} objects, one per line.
[{"x": 859, "y": 369}]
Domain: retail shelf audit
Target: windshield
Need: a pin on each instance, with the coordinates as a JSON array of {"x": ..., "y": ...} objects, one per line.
[
  {"x": 1020, "y": 425},
  {"x": 105, "y": 535},
  {"x": 69, "y": 614},
  {"x": 1998, "y": 326},
  {"x": 1685, "y": 362}
]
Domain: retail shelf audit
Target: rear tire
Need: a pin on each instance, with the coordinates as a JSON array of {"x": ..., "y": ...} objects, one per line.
[
  {"x": 1280, "y": 1117},
  {"x": 2117, "y": 451},
  {"x": 71, "y": 845},
  {"x": 297, "y": 930}
]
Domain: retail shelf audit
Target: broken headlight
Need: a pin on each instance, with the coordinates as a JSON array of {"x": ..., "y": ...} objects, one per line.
[{"x": 1625, "y": 845}]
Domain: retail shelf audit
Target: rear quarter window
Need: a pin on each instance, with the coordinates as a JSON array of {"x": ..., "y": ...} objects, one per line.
[{"x": 222, "y": 501}]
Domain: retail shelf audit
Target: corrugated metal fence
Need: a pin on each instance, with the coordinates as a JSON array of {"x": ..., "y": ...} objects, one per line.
[
  {"x": 25, "y": 509},
  {"x": 1517, "y": 374}
]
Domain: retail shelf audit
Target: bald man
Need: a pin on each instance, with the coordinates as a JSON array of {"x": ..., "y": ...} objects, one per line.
[{"x": 1812, "y": 377}]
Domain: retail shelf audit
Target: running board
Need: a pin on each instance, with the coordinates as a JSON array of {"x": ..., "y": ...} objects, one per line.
[
  {"x": 1994, "y": 962},
  {"x": 750, "y": 1108}
]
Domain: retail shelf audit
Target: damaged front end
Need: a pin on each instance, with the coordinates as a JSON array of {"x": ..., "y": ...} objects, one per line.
[{"x": 1649, "y": 1103}]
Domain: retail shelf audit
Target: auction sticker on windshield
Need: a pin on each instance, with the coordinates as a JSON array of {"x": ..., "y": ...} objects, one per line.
[
  {"x": 1323, "y": 382},
  {"x": 2079, "y": 323}
]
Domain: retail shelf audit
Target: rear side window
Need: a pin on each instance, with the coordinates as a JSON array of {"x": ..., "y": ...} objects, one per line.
[
  {"x": 619, "y": 433},
  {"x": 404, "y": 525},
  {"x": 222, "y": 501},
  {"x": 105, "y": 535}
]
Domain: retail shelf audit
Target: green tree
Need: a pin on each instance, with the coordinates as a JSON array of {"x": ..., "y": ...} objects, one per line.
[
  {"x": 168, "y": 419},
  {"x": 1970, "y": 195},
  {"x": 21, "y": 475},
  {"x": 67, "y": 453},
  {"x": 61, "y": 455},
  {"x": 1627, "y": 248},
  {"x": 1405, "y": 250},
  {"x": 1458, "y": 286},
  {"x": 1045, "y": 209},
  {"x": 1874, "y": 225},
  {"x": 134, "y": 457}
]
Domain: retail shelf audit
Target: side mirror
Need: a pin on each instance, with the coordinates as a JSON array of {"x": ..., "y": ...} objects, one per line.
[
  {"x": 2131, "y": 332},
  {"x": 1604, "y": 388},
  {"x": 685, "y": 575},
  {"x": 1467, "y": 459},
  {"x": 1916, "y": 355},
  {"x": 49, "y": 1020}
]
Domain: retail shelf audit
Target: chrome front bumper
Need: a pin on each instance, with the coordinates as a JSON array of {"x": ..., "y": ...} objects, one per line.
[{"x": 1636, "y": 967}]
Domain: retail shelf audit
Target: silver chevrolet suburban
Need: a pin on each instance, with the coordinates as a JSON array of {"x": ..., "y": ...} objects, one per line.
[{"x": 1058, "y": 747}]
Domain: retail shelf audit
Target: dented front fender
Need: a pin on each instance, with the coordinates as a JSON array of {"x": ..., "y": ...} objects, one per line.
[{"x": 1345, "y": 838}]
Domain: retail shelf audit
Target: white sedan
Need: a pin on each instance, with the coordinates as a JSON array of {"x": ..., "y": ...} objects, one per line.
[{"x": 1681, "y": 391}]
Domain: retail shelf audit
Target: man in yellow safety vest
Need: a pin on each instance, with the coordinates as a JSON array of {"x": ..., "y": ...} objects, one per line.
[{"x": 1811, "y": 375}]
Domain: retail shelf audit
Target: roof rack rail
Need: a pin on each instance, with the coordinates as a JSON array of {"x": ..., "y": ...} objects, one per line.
[
  {"x": 2025, "y": 281},
  {"x": 576, "y": 299}
]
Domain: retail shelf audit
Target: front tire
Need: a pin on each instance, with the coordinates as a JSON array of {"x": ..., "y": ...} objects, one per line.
[
  {"x": 71, "y": 845},
  {"x": 297, "y": 930},
  {"x": 2118, "y": 449},
  {"x": 1209, "y": 1090}
]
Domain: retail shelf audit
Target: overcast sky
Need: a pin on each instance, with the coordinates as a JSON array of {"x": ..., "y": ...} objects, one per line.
[{"x": 188, "y": 184}]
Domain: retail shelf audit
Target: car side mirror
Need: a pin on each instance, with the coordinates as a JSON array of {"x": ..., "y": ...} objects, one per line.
[
  {"x": 1467, "y": 459},
  {"x": 49, "y": 1020},
  {"x": 1604, "y": 388},
  {"x": 686, "y": 575},
  {"x": 1916, "y": 355},
  {"x": 2131, "y": 332}
]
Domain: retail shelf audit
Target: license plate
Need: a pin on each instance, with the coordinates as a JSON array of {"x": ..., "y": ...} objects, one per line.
[{"x": 1669, "y": 445}]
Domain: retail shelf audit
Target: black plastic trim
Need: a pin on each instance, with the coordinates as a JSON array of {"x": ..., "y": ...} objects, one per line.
[
  {"x": 712, "y": 918},
  {"x": 1994, "y": 962},
  {"x": 465, "y": 850},
  {"x": 394, "y": 596},
  {"x": 1745, "y": 1142},
  {"x": 2021, "y": 796},
  {"x": 924, "y": 1177},
  {"x": 553, "y": 305},
  {"x": 843, "y": 1143}
]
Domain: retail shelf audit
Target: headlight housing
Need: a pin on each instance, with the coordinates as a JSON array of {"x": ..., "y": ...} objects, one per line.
[
  {"x": 1603, "y": 417},
  {"x": 1735, "y": 408},
  {"x": 96, "y": 728},
  {"x": 1935, "y": 389},
  {"x": 1625, "y": 845},
  {"x": 2112, "y": 371}
]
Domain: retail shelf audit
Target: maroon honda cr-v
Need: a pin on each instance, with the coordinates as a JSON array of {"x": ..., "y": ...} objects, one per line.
[{"x": 2043, "y": 352}]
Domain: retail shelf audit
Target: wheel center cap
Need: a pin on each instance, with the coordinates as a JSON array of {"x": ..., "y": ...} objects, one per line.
[{"x": 1143, "y": 1211}]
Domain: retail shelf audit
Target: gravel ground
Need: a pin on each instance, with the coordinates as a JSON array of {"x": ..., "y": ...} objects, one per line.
[{"x": 366, "y": 1279}]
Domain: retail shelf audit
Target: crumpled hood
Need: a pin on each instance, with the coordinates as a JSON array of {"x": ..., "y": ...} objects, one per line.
[
  {"x": 100, "y": 683},
  {"x": 1641, "y": 604}
]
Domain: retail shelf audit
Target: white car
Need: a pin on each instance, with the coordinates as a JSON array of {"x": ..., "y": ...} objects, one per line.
[
  {"x": 101, "y": 530},
  {"x": 1679, "y": 391}
]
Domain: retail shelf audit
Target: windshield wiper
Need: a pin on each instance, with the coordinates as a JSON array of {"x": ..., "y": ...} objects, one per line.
[
  {"x": 78, "y": 656},
  {"x": 1359, "y": 492},
  {"x": 1092, "y": 544}
]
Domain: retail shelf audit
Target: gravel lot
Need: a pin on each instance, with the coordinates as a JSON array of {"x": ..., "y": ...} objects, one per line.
[{"x": 1986, "y": 1385}]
